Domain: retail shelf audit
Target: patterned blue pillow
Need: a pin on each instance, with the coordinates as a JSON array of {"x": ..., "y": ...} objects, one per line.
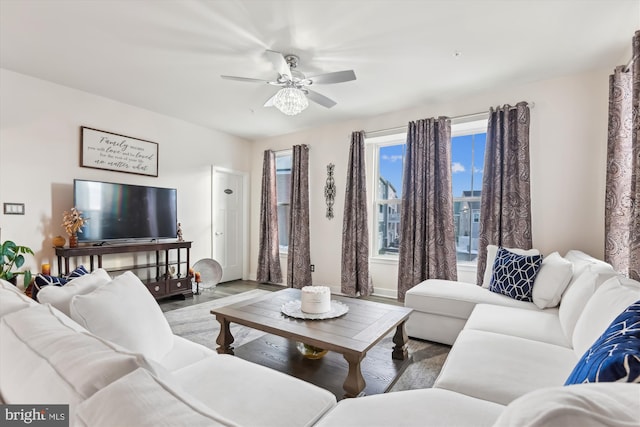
[
  {"x": 42, "y": 280},
  {"x": 79, "y": 271},
  {"x": 615, "y": 356},
  {"x": 513, "y": 274}
]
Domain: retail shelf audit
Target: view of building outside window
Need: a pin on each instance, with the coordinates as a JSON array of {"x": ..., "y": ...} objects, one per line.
[
  {"x": 467, "y": 163},
  {"x": 283, "y": 190},
  {"x": 389, "y": 192}
]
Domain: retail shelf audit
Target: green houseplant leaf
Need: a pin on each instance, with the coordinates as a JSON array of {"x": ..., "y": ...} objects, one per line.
[{"x": 11, "y": 256}]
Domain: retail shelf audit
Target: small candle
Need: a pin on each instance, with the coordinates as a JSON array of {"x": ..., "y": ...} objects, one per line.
[
  {"x": 198, "y": 276},
  {"x": 46, "y": 269}
]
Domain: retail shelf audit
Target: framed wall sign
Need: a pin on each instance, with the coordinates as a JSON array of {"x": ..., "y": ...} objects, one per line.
[{"x": 111, "y": 151}]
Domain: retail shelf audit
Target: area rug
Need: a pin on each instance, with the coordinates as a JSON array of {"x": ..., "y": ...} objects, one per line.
[{"x": 197, "y": 324}]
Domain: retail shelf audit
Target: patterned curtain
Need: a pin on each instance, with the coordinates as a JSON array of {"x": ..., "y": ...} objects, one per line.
[
  {"x": 427, "y": 235},
  {"x": 505, "y": 206},
  {"x": 622, "y": 200},
  {"x": 299, "y": 259},
  {"x": 355, "y": 231},
  {"x": 269, "y": 252},
  {"x": 634, "y": 237},
  {"x": 617, "y": 215}
]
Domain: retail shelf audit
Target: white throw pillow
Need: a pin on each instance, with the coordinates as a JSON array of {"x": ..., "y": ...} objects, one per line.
[
  {"x": 45, "y": 357},
  {"x": 584, "y": 405},
  {"x": 551, "y": 281},
  {"x": 581, "y": 261},
  {"x": 578, "y": 293},
  {"x": 12, "y": 299},
  {"x": 608, "y": 301},
  {"x": 492, "y": 251},
  {"x": 125, "y": 312},
  {"x": 60, "y": 296},
  {"x": 142, "y": 400}
]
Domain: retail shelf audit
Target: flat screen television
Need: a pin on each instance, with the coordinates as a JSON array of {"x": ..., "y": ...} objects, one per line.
[{"x": 125, "y": 211}]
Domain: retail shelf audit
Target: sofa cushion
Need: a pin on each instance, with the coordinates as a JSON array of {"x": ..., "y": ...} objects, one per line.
[
  {"x": 266, "y": 395},
  {"x": 615, "y": 356},
  {"x": 427, "y": 407},
  {"x": 581, "y": 261},
  {"x": 578, "y": 293},
  {"x": 552, "y": 280},
  {"x": 584, "y": 405},
  {"x": 183, "y": 353},
  {"x": 46, "y": 357},
  {"x": 607, "y": 302},
  {"x": 537, "y": 325},
  {"x": 501, "y": 368},
  {"x": 140, "y": 399},
  {"x": 60, "y": 296},
  {"x": 12, "y": 299},
  {"x": 513, "y": 274},
  {"x": 492, "y": 251},
  {"x": 455, "y": 299},
  {"x": 125, "y": 312}
]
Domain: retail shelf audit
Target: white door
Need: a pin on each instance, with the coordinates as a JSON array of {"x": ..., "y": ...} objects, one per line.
[{"x": 228, "y": 219}]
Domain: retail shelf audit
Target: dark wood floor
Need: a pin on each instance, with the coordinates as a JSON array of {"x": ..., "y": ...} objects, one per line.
[{"x": 235, "y": 287}]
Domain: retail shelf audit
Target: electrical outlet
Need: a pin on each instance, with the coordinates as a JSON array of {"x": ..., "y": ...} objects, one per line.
[{"x": 313, "y": 268}]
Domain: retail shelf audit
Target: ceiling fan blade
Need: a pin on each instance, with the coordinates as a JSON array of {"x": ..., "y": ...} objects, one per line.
[
  {"x": 269, "y": 102},
  {"x": 279, "y": 63},
  {"x": 335, "y": 77},
  {"x": 245, "y": 79},
  {"x": 320, "y": 99}
]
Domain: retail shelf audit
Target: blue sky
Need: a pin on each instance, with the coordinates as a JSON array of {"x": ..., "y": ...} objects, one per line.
[{"x": 461, "y": 157}]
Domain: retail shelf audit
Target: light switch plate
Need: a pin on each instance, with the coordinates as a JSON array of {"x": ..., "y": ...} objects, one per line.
[{"x": 14, "y": 208}]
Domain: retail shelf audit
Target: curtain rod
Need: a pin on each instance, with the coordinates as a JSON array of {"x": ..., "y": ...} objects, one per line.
[{"x": 369, "y": 134}]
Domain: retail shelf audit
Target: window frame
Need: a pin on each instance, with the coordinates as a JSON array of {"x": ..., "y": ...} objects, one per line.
[
  {"x": 376, "y": 202},
  {"x": 283, "y": 249},
  {"x": 459, "y": 127}
]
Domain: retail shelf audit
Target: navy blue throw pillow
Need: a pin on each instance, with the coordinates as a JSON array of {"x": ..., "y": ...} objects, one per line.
[
  {"x": 615, "y": 356},
  {"x": 42, "y": 280},
  {"x": 513, "y": 275},
  {"x": 79, "y": 271}
]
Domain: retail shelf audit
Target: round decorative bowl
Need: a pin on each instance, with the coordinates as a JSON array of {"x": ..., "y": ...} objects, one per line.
[
  {"x": 59, "y": 241},
  {"x": 310, "y": 352}
]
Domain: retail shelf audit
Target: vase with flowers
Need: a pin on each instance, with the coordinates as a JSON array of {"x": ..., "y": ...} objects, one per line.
[{"x": 72, "y": 221}]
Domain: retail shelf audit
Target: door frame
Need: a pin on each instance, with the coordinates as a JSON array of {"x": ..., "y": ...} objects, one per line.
[{"x": 245, "y": 214}]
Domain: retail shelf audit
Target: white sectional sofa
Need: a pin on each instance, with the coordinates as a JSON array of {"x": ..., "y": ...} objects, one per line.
[
  {"x": 507, "y": 365},
  {"x": 164, "y": 380},
  {"x": 510, "y": 359}
]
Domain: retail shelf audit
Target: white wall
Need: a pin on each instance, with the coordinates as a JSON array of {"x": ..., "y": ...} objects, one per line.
[
  {"x": 39, "y": 158},
  {"x": 568, "y": 163}
]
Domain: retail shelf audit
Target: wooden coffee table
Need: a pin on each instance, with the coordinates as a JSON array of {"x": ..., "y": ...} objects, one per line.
[{"x": 351, "y": 335}]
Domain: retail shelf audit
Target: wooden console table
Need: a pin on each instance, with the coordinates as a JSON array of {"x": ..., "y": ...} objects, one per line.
[{"x": 160, "y": 284}]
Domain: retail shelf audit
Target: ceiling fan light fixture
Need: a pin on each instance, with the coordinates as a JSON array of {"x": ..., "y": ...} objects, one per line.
[{"x": 290, "y": 101}]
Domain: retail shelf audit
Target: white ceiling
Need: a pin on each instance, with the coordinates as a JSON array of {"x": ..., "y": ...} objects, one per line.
[{"x": 167, "y": 56}]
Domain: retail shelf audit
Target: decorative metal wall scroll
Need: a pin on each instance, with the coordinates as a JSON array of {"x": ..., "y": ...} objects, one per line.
[{"x": 330, "y": 190}]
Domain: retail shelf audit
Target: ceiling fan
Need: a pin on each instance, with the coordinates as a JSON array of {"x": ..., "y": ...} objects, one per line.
[{"x": 294, "y": 93}]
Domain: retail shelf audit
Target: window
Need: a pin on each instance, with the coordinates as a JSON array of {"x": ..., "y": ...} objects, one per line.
[
  {"x": 467, "y": 160},
  {"x": 467, "y": 164},
  {"x": 388, "y": 193},
  {"x": 283, "y": 191}
]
